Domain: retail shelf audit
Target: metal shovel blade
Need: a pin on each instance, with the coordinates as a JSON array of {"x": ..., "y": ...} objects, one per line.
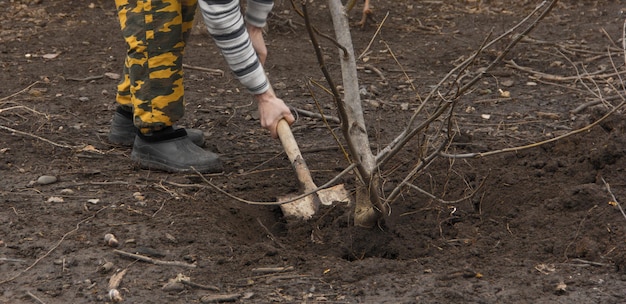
[{"x": 303, "y": 208}]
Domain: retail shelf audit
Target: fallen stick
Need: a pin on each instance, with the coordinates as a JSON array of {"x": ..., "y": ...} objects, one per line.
[
  {"x": 272, "y": 269},
  {"x": 215, "y": 72},
  {"x": 285, "y": 277},
  {"x": 594, "y": 102},
  {"x": 38, "y": 137},
  {"x": 608, "y": 188},
  {"x": 12, "y": 260},
  {"x": 378, "y": 72},
  {"x": 53, "y": 247},
  {"x": 144, "y": 258},
  {"x": 317, "y": 115},
  {"x": 20, "y": 92},
  {"x": 200, "y": 286},
  {"x": 585, "y": 262},
  {"x": 90, "y": 78},
  {"x": 220, "y": 298},
  {"x": 540, "y": 75},
  {"x": 34, "y": 297}
]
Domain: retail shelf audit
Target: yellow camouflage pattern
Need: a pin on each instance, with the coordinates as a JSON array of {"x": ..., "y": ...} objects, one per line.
[{"x": 155, "y": 32}]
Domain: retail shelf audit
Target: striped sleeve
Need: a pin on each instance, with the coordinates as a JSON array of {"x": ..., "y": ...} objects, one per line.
[
  {"x": 226, "y": 25},
  {"x": 257, "y": 12}
]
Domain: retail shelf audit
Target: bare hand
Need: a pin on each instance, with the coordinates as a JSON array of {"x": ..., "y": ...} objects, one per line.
[
  {"x": 271, "y": 110},
  {"x": 258, "y": 42}
]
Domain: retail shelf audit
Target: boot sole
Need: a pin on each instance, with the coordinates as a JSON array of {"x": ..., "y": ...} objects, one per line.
[{"x": 157, "y": 165}]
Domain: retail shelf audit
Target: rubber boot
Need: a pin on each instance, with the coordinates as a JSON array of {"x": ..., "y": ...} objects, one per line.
[
  {"x": 123, "y": 131},
  {"x": 172, "y": 150}
]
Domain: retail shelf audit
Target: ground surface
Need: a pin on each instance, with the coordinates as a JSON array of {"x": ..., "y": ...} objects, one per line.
[{"x": 539, "y": 229}]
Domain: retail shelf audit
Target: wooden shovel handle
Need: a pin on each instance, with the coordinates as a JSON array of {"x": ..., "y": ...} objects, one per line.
[{"x": 293, "y": 152}]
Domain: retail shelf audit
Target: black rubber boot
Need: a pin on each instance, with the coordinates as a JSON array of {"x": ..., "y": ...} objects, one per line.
[
  {"x": 123, "y": 131},
  {"x": 171, "y": 150}
]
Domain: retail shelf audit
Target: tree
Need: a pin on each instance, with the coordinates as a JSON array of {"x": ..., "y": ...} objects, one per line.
[{"x": 432, "y": 125}]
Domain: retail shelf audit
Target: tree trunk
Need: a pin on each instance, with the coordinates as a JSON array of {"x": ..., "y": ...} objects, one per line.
[{"x": 368, "y": 209}]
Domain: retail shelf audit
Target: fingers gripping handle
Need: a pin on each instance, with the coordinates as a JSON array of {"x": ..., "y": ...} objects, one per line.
[{"x": 293, "y": 152}]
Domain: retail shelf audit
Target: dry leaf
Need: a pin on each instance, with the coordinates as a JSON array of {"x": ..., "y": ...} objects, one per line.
[{"x": 92, "y": 149}]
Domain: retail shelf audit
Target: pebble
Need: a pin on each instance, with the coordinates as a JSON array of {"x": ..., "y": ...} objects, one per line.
[
  {"x": 173, "y": 286},
  {"x": 67, "y": 192},
  {"x": 55, "y": 199},
  {"x": 47, "y": 179},
  {"x": 106, "y": 267}
]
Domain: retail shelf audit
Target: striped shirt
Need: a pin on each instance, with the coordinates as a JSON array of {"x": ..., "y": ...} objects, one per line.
[{"x": 226, "y": 25}]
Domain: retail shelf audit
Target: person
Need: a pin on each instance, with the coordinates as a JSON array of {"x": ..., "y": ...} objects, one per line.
[{"x": 150, "y": 96}]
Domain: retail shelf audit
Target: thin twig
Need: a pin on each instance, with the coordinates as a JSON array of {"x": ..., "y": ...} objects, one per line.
[
  {"x": 302, "y": 14},
  {"x": 332, "y": 132},
  {"x": 20, "y": 92},
  {"x": 146, "y": 259},
  {"x": 270, "y": 234},
  {"x": 200, "y": 286},
  {"x": 214, "y": 72},
  {"x": 541, "y": 75},
  {"x": 471, "y": 195},
  {"x": 34, "y": 297},
  {"x": 268, "y": 270},
  {"x": 53, "y": 247},
  {"x": 90, "y": 78},
  {"x": 608, "y": 188},
  {"x": 25, "y": 107},
  {"x": 291, "y": 199},
  {"x": 404, "y": 72},
  {"x": 537, "y": 144},
  {"x": 39, "y": 138},
  {"x": 405, "y": 136},
  {"x": 317, "y": 115},
  {"x": 12, "y": 260},
  {"x": 380, "y": 26},
  {"x": 594, "y": 102}
]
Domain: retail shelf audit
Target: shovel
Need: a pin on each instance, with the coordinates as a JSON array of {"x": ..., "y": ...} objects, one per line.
[{"x": 304, "y": 208}]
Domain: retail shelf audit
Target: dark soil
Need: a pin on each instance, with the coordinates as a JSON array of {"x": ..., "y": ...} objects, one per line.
[{"x": 541, "y": 227}]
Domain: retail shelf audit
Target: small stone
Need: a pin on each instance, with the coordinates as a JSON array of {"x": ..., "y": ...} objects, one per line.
[
  {"x": 110, "y": 240},
  {"x": 83, "y": 99},
  {"x": 47, "y": 179},
  {"x": 106, "y": 267},
  {"x": 115, "y": 296},
  {"x": 173, "y": 285},
  {"x": 55, "y": 199},
  {"x": 67, "y": 192}
]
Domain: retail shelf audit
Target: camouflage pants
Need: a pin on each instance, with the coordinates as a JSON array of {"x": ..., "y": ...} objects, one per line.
[{"x": 155, "y": 32}]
